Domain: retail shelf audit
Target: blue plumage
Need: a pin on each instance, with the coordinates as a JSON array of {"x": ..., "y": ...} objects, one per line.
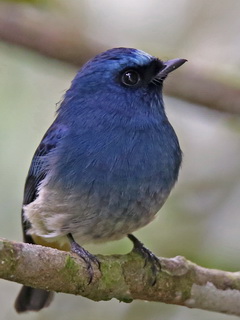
[{"x": 110, "y": 159}]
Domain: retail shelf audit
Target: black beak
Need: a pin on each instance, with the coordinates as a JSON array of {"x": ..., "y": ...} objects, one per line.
[{"x": 169, "y": 66}]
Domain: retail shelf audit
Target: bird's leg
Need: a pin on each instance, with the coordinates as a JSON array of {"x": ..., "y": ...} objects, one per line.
[
  {"x": 88, "y": 258},
  {"x": 148, "y": 256}
]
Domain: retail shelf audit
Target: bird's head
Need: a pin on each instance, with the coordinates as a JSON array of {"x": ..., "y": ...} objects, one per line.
[
  {"x": 127, "y": 68},
  {"x": 122, "y": 74}
]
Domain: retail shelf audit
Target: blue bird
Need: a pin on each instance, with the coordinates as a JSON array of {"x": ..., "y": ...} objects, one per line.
[{"x": 107, "y": 163}]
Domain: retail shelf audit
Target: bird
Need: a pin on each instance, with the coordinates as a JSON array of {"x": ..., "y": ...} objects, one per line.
[{"x": 107, "y": 163}]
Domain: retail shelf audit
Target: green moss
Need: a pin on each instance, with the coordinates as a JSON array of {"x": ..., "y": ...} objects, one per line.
[
  {"x": 70, "y": 264},
  {"x": 71, "y": 268},
  {"x": 186, "y": 290},
  {"x": 112, "y": 279},
  {"x": 110, "y": 274}
]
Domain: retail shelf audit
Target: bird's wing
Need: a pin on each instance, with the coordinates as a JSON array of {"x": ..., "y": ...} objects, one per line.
[{"x": 38, "y": 168}]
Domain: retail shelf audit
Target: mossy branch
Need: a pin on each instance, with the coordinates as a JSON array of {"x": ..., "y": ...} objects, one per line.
[{"x": 123, "y": 277}]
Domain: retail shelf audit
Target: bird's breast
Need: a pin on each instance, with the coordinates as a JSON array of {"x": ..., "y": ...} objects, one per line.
[
  {"x": 106, "y": 187},
  {"x": 119, "y": 156}
]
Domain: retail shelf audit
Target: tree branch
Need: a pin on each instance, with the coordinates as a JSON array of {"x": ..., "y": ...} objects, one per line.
[
  {"x": 123, "y": 277},
  {"x": 46, "y": 32},
  {"x": 56, "y": 36},
  {"x": 195, "y": 86}
]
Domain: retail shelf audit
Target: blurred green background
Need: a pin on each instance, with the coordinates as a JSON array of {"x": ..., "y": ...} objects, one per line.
[{"x": 201, "y": 219}]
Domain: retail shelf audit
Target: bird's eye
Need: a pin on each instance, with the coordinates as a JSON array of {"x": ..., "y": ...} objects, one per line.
[{"x": 130, "y": 78}]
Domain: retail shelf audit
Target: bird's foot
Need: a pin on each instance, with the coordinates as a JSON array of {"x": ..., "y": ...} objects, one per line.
[
  {"x": 148, "y": 256},
  {"x": 88, "y": 258}
]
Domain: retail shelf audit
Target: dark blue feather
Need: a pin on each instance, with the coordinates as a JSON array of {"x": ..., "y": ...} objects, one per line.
[{"x": 39, "y": 168}]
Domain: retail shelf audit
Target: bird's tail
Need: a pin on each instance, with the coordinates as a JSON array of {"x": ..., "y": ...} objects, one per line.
[{"x": 31, "y": 299}]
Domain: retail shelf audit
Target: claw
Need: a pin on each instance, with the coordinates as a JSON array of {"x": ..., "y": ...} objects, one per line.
[
  {"x": 87, "y": 257},
  {"x": 148, "y": 256}
]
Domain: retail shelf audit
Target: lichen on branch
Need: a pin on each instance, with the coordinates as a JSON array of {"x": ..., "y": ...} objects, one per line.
[{"x": 123, "y": 277}]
